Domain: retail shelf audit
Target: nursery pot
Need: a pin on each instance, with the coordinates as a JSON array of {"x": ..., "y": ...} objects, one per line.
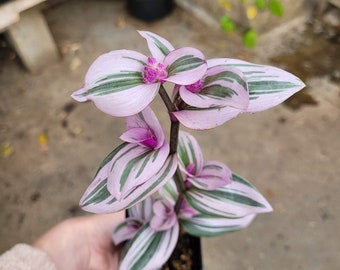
[
  {"x": 149, "y": 10},
  {"x": 187, "y": 254}
]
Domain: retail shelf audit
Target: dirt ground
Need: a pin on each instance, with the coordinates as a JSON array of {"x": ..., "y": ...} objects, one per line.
[{"x": 51, "y": 146}]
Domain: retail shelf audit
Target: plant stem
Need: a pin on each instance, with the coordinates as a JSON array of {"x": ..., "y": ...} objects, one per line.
[
  {"x": 166, "y": 99},
  {"x": 174, "y": 130},
  {"x": 180, "y": 188}
]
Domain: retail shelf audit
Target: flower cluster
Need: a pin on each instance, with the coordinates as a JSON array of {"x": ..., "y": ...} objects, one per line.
[{"x": 204, "y": 197}]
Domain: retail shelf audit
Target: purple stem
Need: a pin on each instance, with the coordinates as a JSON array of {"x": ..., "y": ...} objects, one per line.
[{"x": 174, "y": 129}]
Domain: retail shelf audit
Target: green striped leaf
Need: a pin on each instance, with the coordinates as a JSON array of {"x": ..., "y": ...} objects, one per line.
[
  {"x": 132, "y": 166},
  {"x": 149, "y": 249},
  {"x": 116, "y": 83},
  {"x": 268, "y": 86},
  {"x": 208, "y": 226},
  {"x": 189, "y": 153},
  {"x": 185, "y": 63},
  {"x": 158, "y": 46},
  {"x": 98, "y": 199},
  {"x": 234, "y": 200}
]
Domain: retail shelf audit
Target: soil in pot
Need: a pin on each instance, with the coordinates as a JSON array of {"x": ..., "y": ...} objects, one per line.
[{"x": 187, "y": 254}]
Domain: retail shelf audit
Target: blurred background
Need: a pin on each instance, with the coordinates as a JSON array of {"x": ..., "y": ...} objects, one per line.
[{"x": 51, "y": 146}]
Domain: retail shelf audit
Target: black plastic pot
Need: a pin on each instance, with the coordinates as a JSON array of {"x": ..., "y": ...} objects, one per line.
[
  {"x": 187, "y": 254},
  {"x": 149, "y": 10}
]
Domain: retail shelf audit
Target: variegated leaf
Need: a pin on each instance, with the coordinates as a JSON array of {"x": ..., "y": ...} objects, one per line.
[
  {"x": 206, "y": 118},
  {"x": 114, "y": 83},
  {"x": 268, "y": 86},
  {"x": 214, "y": 175},
  {"x": 189, "y": 154},
  {"x": 185, "y": 66},
  {"x": 206, "y": 226},
  {"x": 126, "y": 230},
  {"x": 234, "y": 200},
  {"x": 142, "y": 210},
  {"x": 169, "y": 192},
  {"x": 220, "y": 86},
  {"x": 132, "y": 166},
  {"x": 97, "y": 198},
  {"x": 158, "y": 46},
  {"x": 149, "y": 249}
]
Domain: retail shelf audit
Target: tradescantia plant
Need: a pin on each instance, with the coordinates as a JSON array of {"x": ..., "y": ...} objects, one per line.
[{"x": 168, "y": 185}]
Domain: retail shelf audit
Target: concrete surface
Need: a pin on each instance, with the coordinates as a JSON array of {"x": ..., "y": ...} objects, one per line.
[{"x": 51, "y": 146}]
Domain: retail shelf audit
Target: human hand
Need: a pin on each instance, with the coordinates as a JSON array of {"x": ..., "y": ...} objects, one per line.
[{"x": 83, "y": 243}]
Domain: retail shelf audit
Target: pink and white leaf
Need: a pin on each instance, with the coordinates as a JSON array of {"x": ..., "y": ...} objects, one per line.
[
  {"x": 206, "y": 118},
  {"x": 189, "y": 154},
  {"x": 214, "y": 175},
  {"x": 149, "y": 249},
  {"x": 158, "y": 46},
  {"x": 97, "y": 198},
  {"x": 138, "y": 215},
  {"x": 234, "y": 200},
  {"x": 220, "y": 86},
  {"x": 126, "y": 230},
  {"x": 132, "y": 166},
  {"x": 164, "y": 216},
  {"x": 114, "y": 83},
  {"x": 208, "y": 226},
  {"x": 143, "y": 210},
  {"x": 268, "y": 86},
  {"x": 169, "y": 192},
  {"x": 185, "y": 66},
  {"x": 144, "y": 128}
]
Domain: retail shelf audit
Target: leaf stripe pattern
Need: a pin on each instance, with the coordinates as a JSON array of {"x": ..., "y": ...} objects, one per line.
[
  {"x": 97, "y": 198},
  {"x": 184, "y": 63},
  {"x": 115, "y": 83},
  {"x": 149, "y": 249},
  {"x": 234, "y": 200},
  {"x": 270, "y": 87},
  {"x": 209, "y": 226}
]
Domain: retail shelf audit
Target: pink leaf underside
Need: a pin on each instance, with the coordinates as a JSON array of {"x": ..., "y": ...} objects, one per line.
[
  {"x": 148, "y": 164},
  {"x": 238, "y": 100},
  {"x": 192, "y": 149},
  {"x": 164, "y": 216},
  {"x": 265, "y": 99},
  {"x": 154, "y": 41},
  {"x": 126, "y": 230},
  {"x": 201, "y": 119},
  {"x": 140, "y": 193},
  {"x": 146, "y": 119},
  {"x": 117, "y": 102},
  {"x": 214, "y": 175},
  {"x": 189, "y": 75}
]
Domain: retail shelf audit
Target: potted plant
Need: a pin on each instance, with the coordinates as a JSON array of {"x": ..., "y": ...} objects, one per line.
[{"x": 167, "y": 188}]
